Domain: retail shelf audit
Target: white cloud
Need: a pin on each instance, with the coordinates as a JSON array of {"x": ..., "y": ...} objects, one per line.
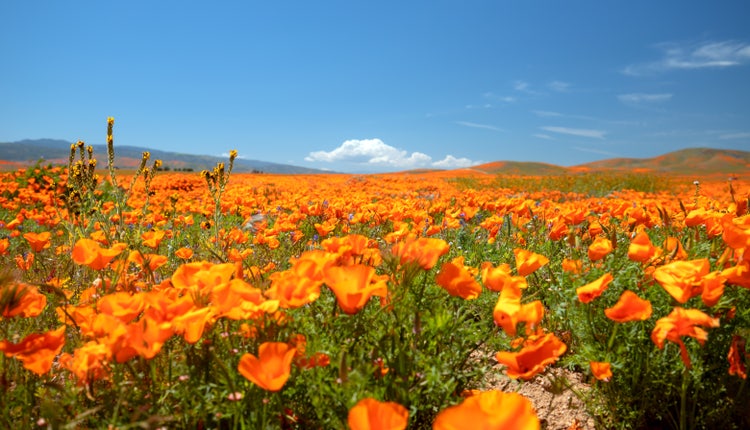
[
  {"x": 741, "y": 135},
  {"x": 559, "y": 86},
  {"x": 582, "y": 132},
  {"x": 492, "y": 96},
  {"x": 543, "y": 136},
  {"x": 698, "y": 56},
  {"x": 475, "y": 125},
  {"x": 546, "y": 113},
  {"x": 646, "y": 98},
  {"x": 520, "y": 86},
  {"x": 451, "y": 162},
  {"x": 374, "y": 152}
]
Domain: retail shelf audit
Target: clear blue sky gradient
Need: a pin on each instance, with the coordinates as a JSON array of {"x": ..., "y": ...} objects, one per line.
[{"x": 380, "y": 86}]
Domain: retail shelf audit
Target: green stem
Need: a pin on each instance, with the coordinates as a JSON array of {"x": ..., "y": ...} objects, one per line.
[{"x": 683, "y": 399}]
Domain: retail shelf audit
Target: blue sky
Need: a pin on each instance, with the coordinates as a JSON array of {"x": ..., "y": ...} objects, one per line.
[{"x": 361, "y": 86}]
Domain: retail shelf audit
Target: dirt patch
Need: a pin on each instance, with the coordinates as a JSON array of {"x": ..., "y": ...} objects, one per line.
[{"x": 553, "y": 395}]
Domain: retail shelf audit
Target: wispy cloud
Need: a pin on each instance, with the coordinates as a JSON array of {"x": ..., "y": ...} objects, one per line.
[
  {"x": 546, "y": 113},
  {"x": 482, "y": 106},
  {"x": 524, "y": 87},
  {"x": 644, "y": 98},
  {"x": 543, "y": 136},
  {"x": 559, "y": 86},
  {"x": 741, "y": 135},
  {"x": 492, "y": 96},
  {"x": 374, "y": 152},
  {"x": 475, "y": 125},
  {"x": 581, "y": 132},
  {"x": 675, "y": 56}
]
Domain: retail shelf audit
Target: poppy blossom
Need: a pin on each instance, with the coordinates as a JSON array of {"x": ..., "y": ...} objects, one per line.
[
  {"x": 423, "y": 251},
  {"x": 88, "y": 362},
  {"x": 354, "y": 285},
  {"x": 641, "y": 249},
  {"x": 36, "y": 351},
  {"x": 494, "y": 278},
  {"x": 271, "y": 368},
  {"x": 371, "y": 414},
  {"x": 537, "y": 352},
  {"x": 599, "y": 248},
  {"x": 572, "y": 266},
  {"x": 89, "y": 253},
  {"x": 528, "y": 262},
  {"x": 737, "y": 356},
  {"x": 592, "y": 290},
  {"x": 682, "y": 279},
  {"x": 457, "y": 280},
  {"x": 629, "y": 307},
  {"x": 601, "y": 370},
  {"x": 682, "y": 322},
  {"x": 38, "y": 241},
  {"x": 153, "y": 238},
  {"x": 184, "y": 253},
  {"x": 23, "y": 300},
  {"x": 509, "y": 311},
  {"x": 489, "y": 410}
]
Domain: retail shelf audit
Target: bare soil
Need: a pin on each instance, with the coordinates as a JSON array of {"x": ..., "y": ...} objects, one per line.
[{"x": 556, "y": 395}]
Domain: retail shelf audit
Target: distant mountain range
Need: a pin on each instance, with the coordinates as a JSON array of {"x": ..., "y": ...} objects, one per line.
[
  {"x": 685, "y": 161},
  {"x": 28, "y": 152}
]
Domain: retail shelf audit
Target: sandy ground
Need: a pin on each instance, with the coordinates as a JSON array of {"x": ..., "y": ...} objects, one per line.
[{"x": 552, "y": 394}]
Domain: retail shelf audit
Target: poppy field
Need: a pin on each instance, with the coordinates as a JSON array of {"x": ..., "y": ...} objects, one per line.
[{"x": 149, "y": 299}]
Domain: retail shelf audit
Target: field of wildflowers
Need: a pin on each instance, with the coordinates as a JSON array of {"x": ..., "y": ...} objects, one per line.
[{"x": 212, "y": 300}]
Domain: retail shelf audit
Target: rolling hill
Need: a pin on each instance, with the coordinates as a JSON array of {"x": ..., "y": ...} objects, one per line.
[
  {"x": 686, "y": 161},
  {"x": 28, "y": 152}
]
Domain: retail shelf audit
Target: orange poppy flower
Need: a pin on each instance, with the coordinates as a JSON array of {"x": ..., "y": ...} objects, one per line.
[
  {"x": 23, "y": 300},
  {"x": 683, "y": 279},
  {"x": 147, "y": 261},
  {"x": 536, "y": 353},
  {"x": 457, "y": 280},
  {"x": 423, "y": 251},
  {"x": 354, "y": 285},
  {"x": 712, "y": 286},
  {"x": 734, "y": 235},
  {"x": 238, "y": 300},
  {"x": 738, "y": 274},
  {"x": 489, "y": 410},
  {"x": 38, "y": 241},
  {"x": 509, "y": 311},
  {"x": 271, "y": 369},
  {"x": 494, "y": 278},
  {"x": 184, "y": 253},
  {"x": 527, "y": 262},
  {"x": 572, "y": 266},
  {"x": 601, "y": 370},
  {"x": 594, "y": 289},
  {"x": 629, "y": 307},
  {"x": 371, "y": 414},
  {"x": 121, "y": 305},
  {"x": 682, "y": 322},
  {"x": 737, "y": 356},
  {"x": 641, "y": 249},
  {"x": 36, "y": 351},
  {"x": 88, "y": 362},
  {"x": 599, "y": 248},
  {"x": 152, "y": 238},
  {"x": 674, "y": 249},
  {"x": 291, "y": 290},
  {"x": 89, "y": 253}
]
